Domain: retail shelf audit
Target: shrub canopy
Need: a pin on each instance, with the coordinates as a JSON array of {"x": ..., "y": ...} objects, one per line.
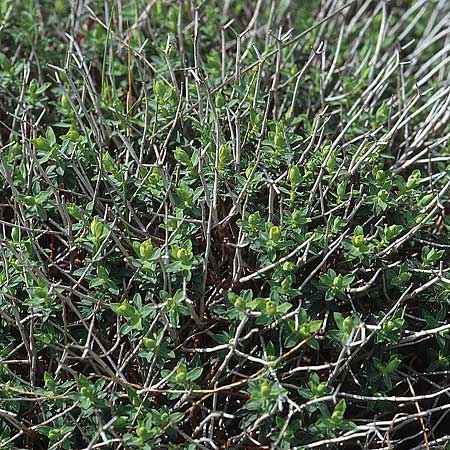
[{"x": 224, "y": 224}]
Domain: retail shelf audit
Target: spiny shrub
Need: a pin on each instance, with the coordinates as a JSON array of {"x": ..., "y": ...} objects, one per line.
[{"x": 224, "y": 224}]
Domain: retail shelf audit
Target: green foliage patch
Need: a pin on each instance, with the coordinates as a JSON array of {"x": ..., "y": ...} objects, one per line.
[{"x": 224, "y": 224}]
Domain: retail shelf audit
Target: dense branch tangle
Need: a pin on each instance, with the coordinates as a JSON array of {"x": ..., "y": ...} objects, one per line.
[{"x": 236, "y": 221}]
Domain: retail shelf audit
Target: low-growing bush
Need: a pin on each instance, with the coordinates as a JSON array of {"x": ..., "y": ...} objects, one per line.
[{"x": 224, "y": 224}]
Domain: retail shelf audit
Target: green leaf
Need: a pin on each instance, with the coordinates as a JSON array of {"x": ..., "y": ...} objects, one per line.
[
  {"x": 182, "y": 157},
  {"x": 339, "y": 411},
  {"x": 42, "y": 144},
  {"x": 339, "y": 319},
  {"x": 195, "y": 374}
]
